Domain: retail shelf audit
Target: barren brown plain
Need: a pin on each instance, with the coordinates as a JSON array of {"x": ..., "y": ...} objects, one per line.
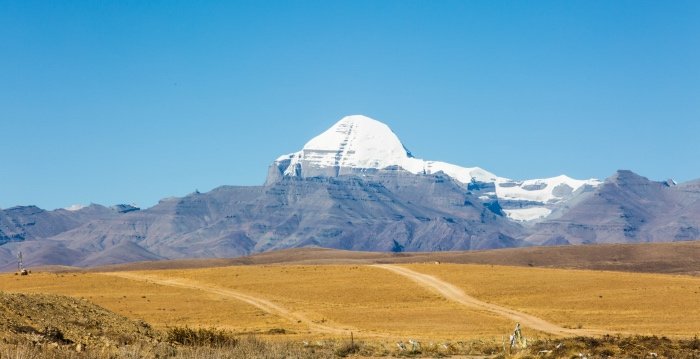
[{"x": 331, "y": 300}]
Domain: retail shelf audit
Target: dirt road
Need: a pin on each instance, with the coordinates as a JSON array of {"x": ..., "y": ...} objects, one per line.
[
  {"x": 262, "y": 304},
  {"x": 453, "y": 293}
]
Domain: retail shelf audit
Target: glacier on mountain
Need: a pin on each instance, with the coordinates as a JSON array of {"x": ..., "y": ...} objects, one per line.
[{"x": 358, "y": 145}]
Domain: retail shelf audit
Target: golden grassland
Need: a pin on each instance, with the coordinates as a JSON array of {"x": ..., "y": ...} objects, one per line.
[
  {"x": 373, "y": 302},
  {"x": 156, "y": 304},
  {"x": 634, "y": 303},
  {"x": 363, "y": 299}
]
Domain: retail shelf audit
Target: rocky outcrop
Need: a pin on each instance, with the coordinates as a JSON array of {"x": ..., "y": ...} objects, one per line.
[{"x": 67, "y": 322}]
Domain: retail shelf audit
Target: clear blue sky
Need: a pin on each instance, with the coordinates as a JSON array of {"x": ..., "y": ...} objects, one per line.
[{"x": 132, "y": 101}]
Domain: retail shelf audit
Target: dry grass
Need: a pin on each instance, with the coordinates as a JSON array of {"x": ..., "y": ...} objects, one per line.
[
  {"x": 635, "y": 303},
  {"x": 366, "y": 300},
  {"x": 380, "y": 306},
  {"x": 255, "y": 348},
  {"x": 247, "y": 347},
  {"x": 161, "y": 306},
  {"x": 613, "y": 347}
]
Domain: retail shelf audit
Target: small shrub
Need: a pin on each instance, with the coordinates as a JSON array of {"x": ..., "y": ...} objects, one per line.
[
  {"x": 277, "y": 331},
  {"x": 589, "y": 342},
  {"x": 200, "y": 337},
  {"x": 347, "y": 349},
  {"x": 607, "y": 352},
  {"x": 692, "y": 344},
  {"x": 54, "y": 335}
]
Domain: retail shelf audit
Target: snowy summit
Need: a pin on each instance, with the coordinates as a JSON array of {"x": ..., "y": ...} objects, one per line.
[
  {"x": 75, "y": 207},
  {"x": 358, "y": 144}
]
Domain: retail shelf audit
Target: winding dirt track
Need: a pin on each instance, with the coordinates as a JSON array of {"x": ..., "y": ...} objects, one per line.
[
  {"x": 455, "y": 294},
  {"x": 429, "y": 282},
  {"x": 260, "y": 303}
]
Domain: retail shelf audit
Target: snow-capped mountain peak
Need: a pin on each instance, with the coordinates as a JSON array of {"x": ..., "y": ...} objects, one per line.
[
  {"x": 358, "y": 144},
  {"x": 356, "y": 141}
]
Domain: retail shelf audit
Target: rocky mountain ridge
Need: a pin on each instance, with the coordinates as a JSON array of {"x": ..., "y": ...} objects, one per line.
[
  {"x": 344, "y": 190},
  {"x": 359, "y": 145}
]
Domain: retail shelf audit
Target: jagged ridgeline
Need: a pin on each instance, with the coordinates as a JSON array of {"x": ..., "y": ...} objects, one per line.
[{"x": 356, "y": 186}]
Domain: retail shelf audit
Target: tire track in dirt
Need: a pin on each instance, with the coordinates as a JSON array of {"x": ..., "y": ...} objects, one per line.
[
  {"x": 455, "y": 294},
  {"x": 260, "y": 303}
]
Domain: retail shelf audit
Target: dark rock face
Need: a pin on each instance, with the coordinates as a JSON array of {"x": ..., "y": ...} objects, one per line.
[
  {"x": 124, "y": 208},
  {"x": 421, "y": 212},
  {"x": 366, "y": 211}
]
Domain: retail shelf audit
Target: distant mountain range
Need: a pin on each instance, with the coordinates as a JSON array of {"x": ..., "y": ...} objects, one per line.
[{"x": 356, "y": 186}]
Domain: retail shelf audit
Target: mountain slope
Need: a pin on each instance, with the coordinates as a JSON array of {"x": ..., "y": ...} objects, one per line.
[
  {"x": 31, "y": 222},
  {"x": 358, "y": 145},
  {"x": 421, "y": 213},
  {"x": 356, "y": 187},
  {"x": 627, "y": 208}
]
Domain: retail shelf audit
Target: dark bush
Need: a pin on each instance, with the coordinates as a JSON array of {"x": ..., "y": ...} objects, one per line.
[
  {"x": 692, "y": 344},
  {"x": 200, "y": 337},
  {"x": 347, "y": 349},
  {"x": 54, "y": 335}
]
